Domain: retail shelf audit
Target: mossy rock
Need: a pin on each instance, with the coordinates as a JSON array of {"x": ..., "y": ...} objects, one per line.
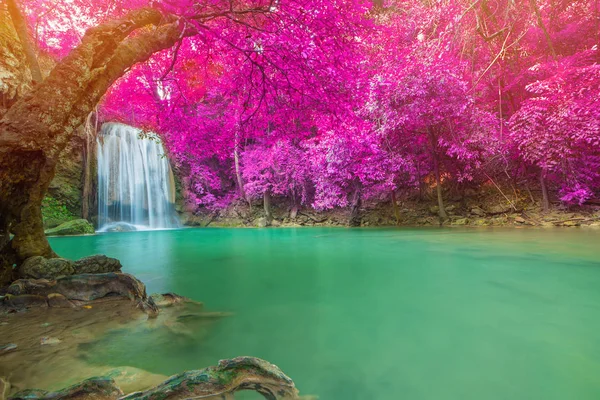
[
  {"x": 55, "y": 213},
  {"x": 74, "y": 227}
]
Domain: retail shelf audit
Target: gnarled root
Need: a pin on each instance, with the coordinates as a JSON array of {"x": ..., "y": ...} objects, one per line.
[{"x": 212, "y": 383}]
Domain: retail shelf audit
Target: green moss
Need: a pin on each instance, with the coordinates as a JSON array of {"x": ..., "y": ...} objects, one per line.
[{"x": 55, "y": 213}]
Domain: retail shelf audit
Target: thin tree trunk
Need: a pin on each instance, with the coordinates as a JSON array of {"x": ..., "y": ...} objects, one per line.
[
  {"x": 438, "y": 182},
  {"x": 23, "y": 34},
  {"x": 395, "y": 207},
  {"x": 355, "y": 210},
  {"x": 294, "y": 209},
  {"x": 267, "y": 206},
  {"x": 238, "y": 172},
  {"x": 540, "y": 21},
  {"x": 545, "y": 198}
]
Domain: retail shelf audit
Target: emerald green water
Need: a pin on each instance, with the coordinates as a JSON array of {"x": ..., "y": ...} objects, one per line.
[{"x": 375, "y": 313}]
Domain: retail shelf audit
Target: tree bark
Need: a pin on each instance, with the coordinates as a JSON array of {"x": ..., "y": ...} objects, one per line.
[
  {"x": 545, "y": 198},
  {"x": 395, "y": 207},
  {"x": 238, "y": 172},
  {"x": 267, "y": 206},
  {"x": 35, "y": 130},
  {"x": 88, "y": 157},
  {"x": 355, "y": 208},
  {"x": 28, "y": 48},
  {"x": 540, "y": 21},
  {"x": 438, "y": 181}
]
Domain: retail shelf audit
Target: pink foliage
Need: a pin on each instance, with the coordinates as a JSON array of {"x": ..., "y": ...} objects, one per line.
[{"x": 323, "y": 100}]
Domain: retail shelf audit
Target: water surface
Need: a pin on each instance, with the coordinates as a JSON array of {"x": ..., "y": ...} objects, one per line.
[{"x": 375, "y": 314}]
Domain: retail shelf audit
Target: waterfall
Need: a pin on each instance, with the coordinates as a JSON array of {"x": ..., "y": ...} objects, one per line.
[{"x": 136, "y": 188}]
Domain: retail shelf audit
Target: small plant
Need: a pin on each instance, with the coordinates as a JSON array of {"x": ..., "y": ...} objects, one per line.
[{"x": 54, "y": 209}]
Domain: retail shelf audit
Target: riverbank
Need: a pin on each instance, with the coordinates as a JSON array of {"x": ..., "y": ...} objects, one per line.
[{"x": 484, "y": 210}]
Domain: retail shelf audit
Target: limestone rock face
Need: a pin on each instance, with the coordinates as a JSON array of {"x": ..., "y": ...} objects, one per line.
[
  {"x": 98, "y": 264},
  {"x": 74, "y": 227},
  {"x": 46, "y": 268}
]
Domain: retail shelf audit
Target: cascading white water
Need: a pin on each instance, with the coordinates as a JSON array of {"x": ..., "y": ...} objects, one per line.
[{"x": 136, "y": 188}]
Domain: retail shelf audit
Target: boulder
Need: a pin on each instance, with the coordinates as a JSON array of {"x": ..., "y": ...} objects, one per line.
[
  {"x": 478, "y": 211},
  {"x": 97, "y": 264},
  {"x": 461, "y": 221},
  {"x": 74, "y": 227},
  {"x": 498, "y": 209},
  {"x": 39, "y": 267}
]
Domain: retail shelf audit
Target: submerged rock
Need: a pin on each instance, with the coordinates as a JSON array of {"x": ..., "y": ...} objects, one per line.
[
  {"x": 74, "y": 227},
  {"x": 5, "y": 348},
  {"x": 4, "y": 388},
  {"x": 168, "y": 299},
  {"x": 49, "y": 340},
  {"x": 93, "y": 388}
]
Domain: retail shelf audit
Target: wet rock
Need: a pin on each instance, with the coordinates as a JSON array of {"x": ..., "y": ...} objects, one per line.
[
  {"x": 94, "y": 388},
  {"x": 46, "y": 340},
  {"x": 49, "y": 268},
  {"x": 5, "y": 348},
  {"x": 168, "y": 299},
  {"x": 86, "y": 288},
  {"x": 11, "y": 303},
  {"x": 571, "y": 223},
  {"x": 74, "y": 227},
  {"x": 120, "y": 227},
  {"x": 130, "y": 379},
  {"x": 97, "y": 264},
  {"x": 57, "y": 300},
  {"x": 29, "y": 394}
]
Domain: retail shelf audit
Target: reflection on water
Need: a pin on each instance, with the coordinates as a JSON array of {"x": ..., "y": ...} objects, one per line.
[{"x": 375, "y": 313}]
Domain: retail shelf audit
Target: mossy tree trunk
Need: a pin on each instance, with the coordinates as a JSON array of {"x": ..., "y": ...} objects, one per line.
[{"x": 35, "y": 130}]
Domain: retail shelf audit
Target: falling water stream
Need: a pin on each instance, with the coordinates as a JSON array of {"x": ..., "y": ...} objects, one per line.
[{"x": 136, "y": 188}]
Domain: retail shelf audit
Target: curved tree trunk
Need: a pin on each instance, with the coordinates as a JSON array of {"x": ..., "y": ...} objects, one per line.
[{"x": 35, "y": 130}]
